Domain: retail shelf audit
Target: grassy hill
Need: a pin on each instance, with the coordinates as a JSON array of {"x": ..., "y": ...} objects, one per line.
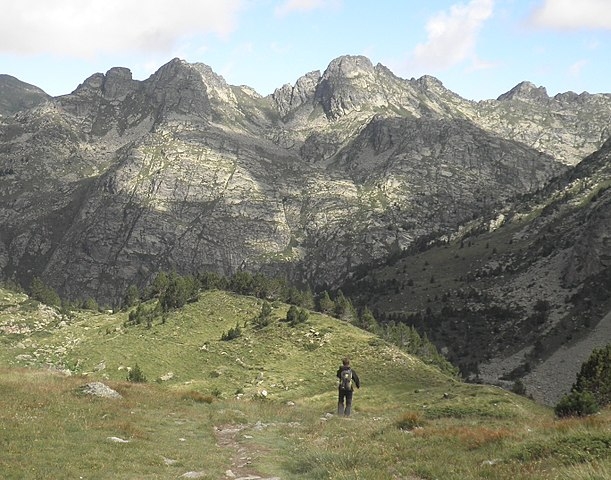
[{"x": 262, "y": 404}]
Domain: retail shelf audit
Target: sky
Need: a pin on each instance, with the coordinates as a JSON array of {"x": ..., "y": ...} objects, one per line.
[{"x": 479, "y": 49}]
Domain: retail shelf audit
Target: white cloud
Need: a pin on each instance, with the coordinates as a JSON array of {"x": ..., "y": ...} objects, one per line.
[
  {"x": 289, "y": 6},
  {"x": 577, "y": 67},
  {"x": 83, "y": 29},
  {"x": 570, "y": 14},
  {"x": 592, "y": 44},
  {"x": 478, "y": 64},
  {"x": 452, "y": 35}
]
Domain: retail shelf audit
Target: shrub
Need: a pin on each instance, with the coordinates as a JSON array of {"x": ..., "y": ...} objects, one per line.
[
  {"x": 291, "y": 315},
  {"x": 44, "y": 294},
  {"x": 576, "y": 404},
  {"x": 295, "y": 315},
  {"x": 232, "y": 333},
  {"x": 518, "y": 387},
  {"x": 264, "y": 318},
  {"x": 197, "y": 397},
  {"x": 136, "y": 375},
  {"x": 91, "y": 304},
  {"x": 409, "y": 421},
  {"x": 143, "y": 314},
  {"x": 302, "y": 315}
]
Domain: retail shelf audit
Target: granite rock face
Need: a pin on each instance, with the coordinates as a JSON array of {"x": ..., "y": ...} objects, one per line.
[{"x": 104, "y": 187}]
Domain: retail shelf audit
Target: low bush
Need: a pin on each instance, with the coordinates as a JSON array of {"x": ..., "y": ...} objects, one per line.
[
  {"x": 409, "y": 421},
  {"x": 576, "y": 404},
  {"x": 135, "y": 375}
]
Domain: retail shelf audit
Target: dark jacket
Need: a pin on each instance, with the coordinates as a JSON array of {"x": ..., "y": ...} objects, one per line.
[{"x": 355, "y": 377}]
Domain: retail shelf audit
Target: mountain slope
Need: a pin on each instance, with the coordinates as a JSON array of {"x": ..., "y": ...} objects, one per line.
[
  {"x": 505, "y": 297},
  {"x": 186, "y": 347},
  {"x": 183, "y": 171},
  {"x": 16, "y": 95},
  {"x": 106, "y": 186},
  {"x": 244, "y": 407}
]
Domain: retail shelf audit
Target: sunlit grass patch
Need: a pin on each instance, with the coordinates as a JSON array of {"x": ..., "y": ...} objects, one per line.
[
  {"x": 588, "y": 471},
  {"x": 197, "y": 397},
  {"x": 469, "y": 436},
  {"x": 568, "y": 449},
  {"x": 409, "y": 421}
]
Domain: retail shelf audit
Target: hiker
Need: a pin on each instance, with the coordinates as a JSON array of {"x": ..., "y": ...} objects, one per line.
[{"x": 347, "y": 379}]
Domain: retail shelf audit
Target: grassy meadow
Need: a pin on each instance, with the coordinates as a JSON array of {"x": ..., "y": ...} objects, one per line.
[{"x": 262, "y": 404}]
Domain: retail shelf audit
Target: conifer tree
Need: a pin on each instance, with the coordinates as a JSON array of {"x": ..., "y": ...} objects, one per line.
[
  {"x": 132, "y": 296},
  {"x": 595, "y": 376},
  {"x": 325, "y": 304},
  {"x": 367, "y": 321},
  {"x": 265, "y": 316},
  {"x": 179, "y": 290},
  {"x": 291, "y": 315},
  {"x": 160, "y": 283},
  {"x": 44, "y": 294}
]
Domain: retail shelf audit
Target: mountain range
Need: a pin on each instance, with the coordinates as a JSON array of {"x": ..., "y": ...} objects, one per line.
[{"x": 346, "y": 178}]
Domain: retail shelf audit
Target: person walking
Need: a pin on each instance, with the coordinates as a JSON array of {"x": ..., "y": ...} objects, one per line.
[{"x": 348, "y": 379}]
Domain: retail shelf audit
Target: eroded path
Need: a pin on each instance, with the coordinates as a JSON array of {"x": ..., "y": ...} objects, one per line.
[{"x": 244, "y": 453}]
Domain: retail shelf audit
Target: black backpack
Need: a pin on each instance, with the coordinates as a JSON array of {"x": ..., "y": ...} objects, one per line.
[{"x": 345, "y": 381}]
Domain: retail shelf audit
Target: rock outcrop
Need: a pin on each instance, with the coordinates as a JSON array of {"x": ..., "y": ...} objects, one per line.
[{"x": 104, "y": 187}]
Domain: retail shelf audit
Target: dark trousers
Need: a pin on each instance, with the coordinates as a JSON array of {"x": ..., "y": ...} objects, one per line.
[{"x": 344, "y": 395}]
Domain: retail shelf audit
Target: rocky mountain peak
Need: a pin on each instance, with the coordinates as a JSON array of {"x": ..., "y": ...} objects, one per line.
[
  {"x": 526, "y": 91},
  {"x": 288, "y": 98},
  {"x": 432, "y": 85},
  {"x": 349, "y": 83},
  {"x": 115, "y": 84},
  {"x": 189, "y": 88},
  {"x": 92, "y": 83},
  {"x": 349, "y": 67},
  {"x": 216, "y": 85},
  {"x": 99, "y": 101},
  {"x": 118, "y": 83},
  {"x": 16, "y": 95},
  {"x": 179, "y": 88}
]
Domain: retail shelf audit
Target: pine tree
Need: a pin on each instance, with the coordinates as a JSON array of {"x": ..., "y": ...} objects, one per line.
[
  {"x": 242, "y": 282},
  {"x": 136, "y": 375},
  {"x": 132, "y": 296},
  {"x": 367, "y": 321},
  {"x": 265, "y": 316},
  {"x": 44, "y": 294},
  {"x": 159, "y": 284},
  {"x": 344, "y": 309},
  {"x": 325, "y": 304},
  {"x": 595, "y": 376},
  {"x": 291, "y": 315},
  {"x": 178, "y": 292}
]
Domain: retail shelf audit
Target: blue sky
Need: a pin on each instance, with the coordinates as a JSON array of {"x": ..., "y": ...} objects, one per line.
[{"x": 477, "y": 48}]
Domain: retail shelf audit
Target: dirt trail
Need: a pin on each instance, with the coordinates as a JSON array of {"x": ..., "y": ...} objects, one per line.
[{"x": 243, "y": 453}]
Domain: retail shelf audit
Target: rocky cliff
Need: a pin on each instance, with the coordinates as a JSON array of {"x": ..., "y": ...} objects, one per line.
[{"x": 121, "y": 178}]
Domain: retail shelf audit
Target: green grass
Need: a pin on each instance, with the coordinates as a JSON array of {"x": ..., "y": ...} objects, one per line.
[{"x": 409, "y": 421}]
